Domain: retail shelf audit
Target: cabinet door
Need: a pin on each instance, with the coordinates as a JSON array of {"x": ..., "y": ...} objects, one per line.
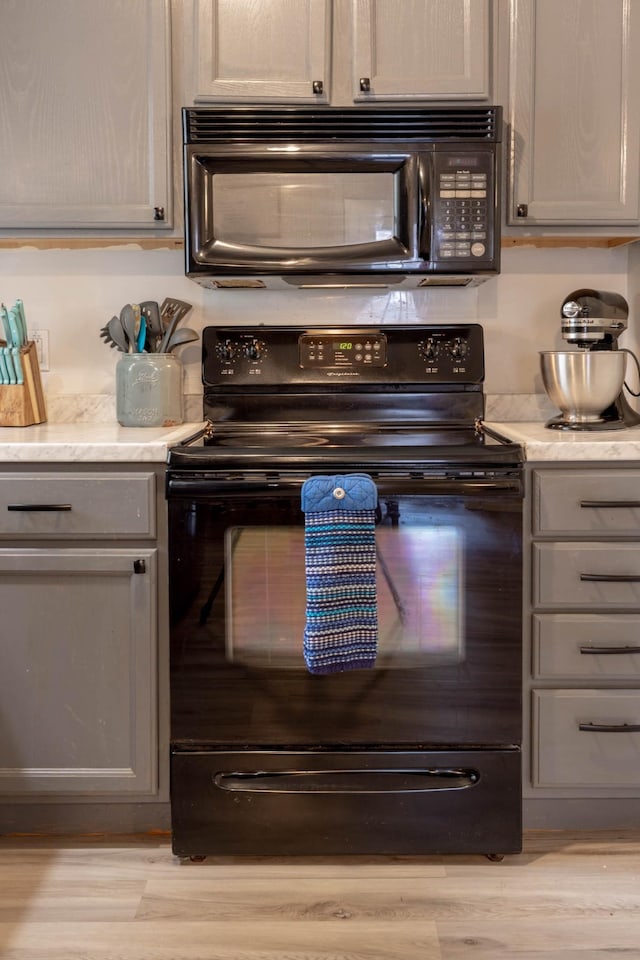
[
  {"x": 78, "y": 711},
  {"x": 260, "y": 51},
  {"x": 421, "y": 49},
  {"x": 574, "y": 97},
  {"x": 84, "y": 116}
]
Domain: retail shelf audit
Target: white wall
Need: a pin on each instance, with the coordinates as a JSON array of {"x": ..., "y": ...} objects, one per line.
[{"x": 72, "y": 293}]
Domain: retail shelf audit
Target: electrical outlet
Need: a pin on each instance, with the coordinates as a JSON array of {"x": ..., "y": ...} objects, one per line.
[{"x": 41, "y": 340}]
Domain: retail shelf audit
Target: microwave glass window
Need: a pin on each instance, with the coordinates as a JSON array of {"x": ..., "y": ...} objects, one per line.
[{"x": 303, "y": 210}]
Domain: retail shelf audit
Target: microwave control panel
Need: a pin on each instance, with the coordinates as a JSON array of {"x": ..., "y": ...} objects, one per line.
[{"x": 463, "y": 207}]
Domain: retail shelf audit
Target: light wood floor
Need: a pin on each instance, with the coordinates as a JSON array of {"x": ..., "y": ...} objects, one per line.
[{"x": 569, "y": 896}]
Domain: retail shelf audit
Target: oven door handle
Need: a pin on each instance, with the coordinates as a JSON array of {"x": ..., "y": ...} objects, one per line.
[
  {"x": 422, "y": 780},
  {"x": 194, "y": 487}
]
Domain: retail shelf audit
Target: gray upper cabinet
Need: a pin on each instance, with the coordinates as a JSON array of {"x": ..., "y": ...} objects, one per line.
[
  {"x": 288, "y": 51},
  {"x": 574, "y": 115},
  {"x": 261, "y": 51},
  {"x": 84, "y": 114},
  {"x": 421, "y": 49}
]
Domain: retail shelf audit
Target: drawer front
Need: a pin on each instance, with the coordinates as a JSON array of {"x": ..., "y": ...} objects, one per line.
[
  {"x": 586, "y": 575},
  {"x": 586, "y": 646},
  {"x": 586, "y": 738},
  {"x": 589, "y": 502},
  {"x": 76, "y": 506}
]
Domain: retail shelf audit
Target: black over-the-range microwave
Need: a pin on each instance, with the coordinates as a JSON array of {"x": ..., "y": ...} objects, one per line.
[{"x": 354, "y": 196}]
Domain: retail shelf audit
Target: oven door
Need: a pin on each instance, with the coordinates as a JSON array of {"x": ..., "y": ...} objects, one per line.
[{"x": 448, "y": 669}]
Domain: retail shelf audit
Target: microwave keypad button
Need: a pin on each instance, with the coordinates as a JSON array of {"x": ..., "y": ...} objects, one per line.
[
  {"x": 463, "y": 249},
  {"x": 463, "y": 235},
  {"x": 447, "y": 193},
  {"x": 478, "y": 235},
  {"x": 447, "y": 253},
  {"x": 478, "y": 249}
]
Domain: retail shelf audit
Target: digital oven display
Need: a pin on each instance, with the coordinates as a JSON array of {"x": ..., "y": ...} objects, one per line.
[{"x": 360, "y": 350}]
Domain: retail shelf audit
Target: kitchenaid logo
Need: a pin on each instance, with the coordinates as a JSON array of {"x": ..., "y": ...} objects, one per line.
[{"x": 343, "y": 373}]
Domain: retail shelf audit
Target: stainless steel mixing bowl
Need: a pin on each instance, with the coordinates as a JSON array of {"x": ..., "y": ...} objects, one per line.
[{"x": 582, "y": 383}]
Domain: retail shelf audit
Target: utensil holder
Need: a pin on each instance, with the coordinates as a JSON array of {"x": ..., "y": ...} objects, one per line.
[
  {"x": 149, "y": 390},
  {"x": 22, "y": 404}
]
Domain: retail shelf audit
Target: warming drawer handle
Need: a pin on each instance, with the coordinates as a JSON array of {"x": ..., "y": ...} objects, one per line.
[
  {"x": 610, "y": 577},
  {"x": 609, "y": 650},
  {"x": 606, "y": 504},
  {"x": 423, "y": 780},
  {"x": 39, "y": 507},
  {"x": 609, "y": 727}
]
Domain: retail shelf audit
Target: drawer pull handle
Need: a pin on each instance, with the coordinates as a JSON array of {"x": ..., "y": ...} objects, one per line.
[
  {"x": 610, "y": 727},
  {"x": 38, "y": 507},
  {"x": 609, "y": 650},
  {"x": 605, "y": 504},
  {"x": 610, "y": 577}
]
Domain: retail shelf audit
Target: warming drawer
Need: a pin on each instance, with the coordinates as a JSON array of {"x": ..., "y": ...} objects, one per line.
[{"x": 308, "y": 803}]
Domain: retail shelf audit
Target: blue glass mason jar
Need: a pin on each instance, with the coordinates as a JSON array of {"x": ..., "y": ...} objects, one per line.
[{"x": 149, "y": 390}]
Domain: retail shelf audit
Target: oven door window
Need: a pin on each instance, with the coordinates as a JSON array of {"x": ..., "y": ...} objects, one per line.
[
  {"x": 419, "y": 586},
  {"x": 449, "y": 605}
]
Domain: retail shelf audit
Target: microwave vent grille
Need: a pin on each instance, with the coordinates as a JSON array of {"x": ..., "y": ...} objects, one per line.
[{"x": 238, "y": 124}]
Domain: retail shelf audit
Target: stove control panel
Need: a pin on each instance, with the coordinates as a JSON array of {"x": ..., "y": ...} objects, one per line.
[
  {"x": 265, "y": 357},
  {"x": 342, "y": 350}
]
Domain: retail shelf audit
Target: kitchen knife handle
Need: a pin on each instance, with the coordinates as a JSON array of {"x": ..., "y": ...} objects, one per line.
[
  {"x": 606, "y": 504},
  {"x": 610, "y": 577},
  {"x": 609, "y": 727},
  {"x": 38, "y": 507}
]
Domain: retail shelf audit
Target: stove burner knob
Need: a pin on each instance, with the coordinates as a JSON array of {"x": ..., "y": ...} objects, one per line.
[
  {"x": 428, "y": 349},
  {"x": 227, "y": 350},
  {"x": 254, "y": 350},
  {"x": 458, "y": 349}
]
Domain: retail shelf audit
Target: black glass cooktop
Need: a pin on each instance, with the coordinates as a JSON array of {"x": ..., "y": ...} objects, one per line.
[{"x": 370, "y": 445}]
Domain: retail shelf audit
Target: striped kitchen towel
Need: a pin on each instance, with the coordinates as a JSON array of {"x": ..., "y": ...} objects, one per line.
[{"x": 341, "y": 630}]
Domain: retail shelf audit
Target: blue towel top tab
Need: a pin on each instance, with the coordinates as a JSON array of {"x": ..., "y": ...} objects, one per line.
[{"x": 350, "y": 491}]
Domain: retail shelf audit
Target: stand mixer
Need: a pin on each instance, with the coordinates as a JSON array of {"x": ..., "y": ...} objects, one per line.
[{"x": 588, "y": 384}]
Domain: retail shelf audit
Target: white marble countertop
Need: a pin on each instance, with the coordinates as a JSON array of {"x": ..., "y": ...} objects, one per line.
[
  {"x": 541, "y": 443},
  {"x": 89, "y": 442},
  {"x": 109, "y": 442}
]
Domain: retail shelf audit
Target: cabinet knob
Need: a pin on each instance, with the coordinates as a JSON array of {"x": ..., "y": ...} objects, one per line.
[
  {"x": 318, "y": 87},
  {"x": 522, "y": 210},
  {"x": 139, "y": 566},
  {"x": 158, "y": 213},
  {"x": 365, "y": 85}
]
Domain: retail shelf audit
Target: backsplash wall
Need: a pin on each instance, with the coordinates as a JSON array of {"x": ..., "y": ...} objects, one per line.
[{"x": 72, "y": 293}]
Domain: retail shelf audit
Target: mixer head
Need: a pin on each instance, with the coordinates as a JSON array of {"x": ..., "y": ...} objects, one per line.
[{"x": 594, "y": 319}]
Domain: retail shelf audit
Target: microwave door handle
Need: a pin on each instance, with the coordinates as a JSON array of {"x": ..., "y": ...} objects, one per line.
[{"x": 424, "y": 209}]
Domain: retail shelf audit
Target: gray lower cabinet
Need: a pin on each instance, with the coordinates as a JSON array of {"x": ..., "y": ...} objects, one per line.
[
  {"x": 79, "y": 694},
  {"x": 583, "y": 639}
]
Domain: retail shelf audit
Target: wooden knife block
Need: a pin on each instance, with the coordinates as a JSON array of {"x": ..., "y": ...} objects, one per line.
[{"x": 22, "y": 404}]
